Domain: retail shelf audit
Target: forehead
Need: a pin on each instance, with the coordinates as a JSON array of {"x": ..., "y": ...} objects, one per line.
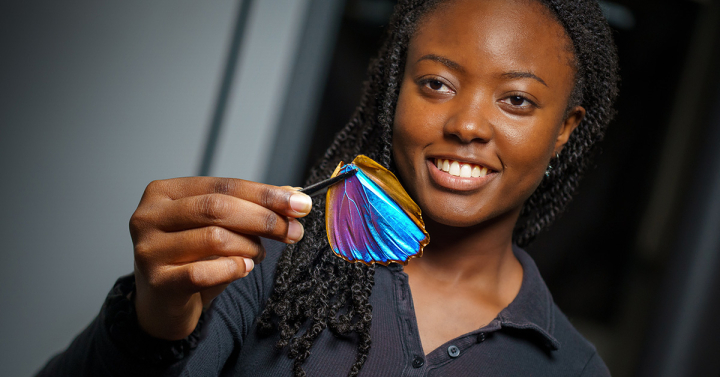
[{"x": 512, "y": 35}]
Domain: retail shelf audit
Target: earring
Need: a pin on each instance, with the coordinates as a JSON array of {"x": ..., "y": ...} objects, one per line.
[{"x": 550, "y": 167}]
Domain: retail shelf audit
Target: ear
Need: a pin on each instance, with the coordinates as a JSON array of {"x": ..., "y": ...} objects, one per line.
[{"x": 574, "y": 116}]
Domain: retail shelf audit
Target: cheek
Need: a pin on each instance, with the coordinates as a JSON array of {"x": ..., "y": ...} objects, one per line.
[
  {"x": 402, "y": 142},
  {"x": 530, "y": 144},
  {"x": 525, "y": 151},
  {"x": 412, "y": 130},
  {"x": 400, "y": 137}
]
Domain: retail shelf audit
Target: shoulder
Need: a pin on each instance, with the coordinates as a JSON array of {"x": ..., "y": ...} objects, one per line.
[
  {"x": 577, "y": 350},
  {"x": 534, "y": 309}
]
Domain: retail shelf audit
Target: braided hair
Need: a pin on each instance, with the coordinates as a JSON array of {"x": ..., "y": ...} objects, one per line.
[{"x": 314, "y": 290}]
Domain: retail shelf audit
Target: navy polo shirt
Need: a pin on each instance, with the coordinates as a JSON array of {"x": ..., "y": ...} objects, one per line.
[{"x": 531, "y": 337}]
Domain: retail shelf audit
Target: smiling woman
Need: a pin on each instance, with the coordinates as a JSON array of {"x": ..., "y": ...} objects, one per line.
[
  {"x": 469, "y": 103},
  {"x": 494, "y": 96},
  {"x": 470, "y": 100}
]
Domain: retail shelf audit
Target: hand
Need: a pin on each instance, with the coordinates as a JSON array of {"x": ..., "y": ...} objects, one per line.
[{"x": 194, "y": 236}]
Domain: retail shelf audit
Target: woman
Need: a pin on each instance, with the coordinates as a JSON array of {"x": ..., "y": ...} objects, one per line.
[{"x": 520, "y": 91}]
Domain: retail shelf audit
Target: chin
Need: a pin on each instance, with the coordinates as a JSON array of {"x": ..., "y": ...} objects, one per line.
[
  {"x": 468, "y": 213},
  {"x": 458, "y": 218}
]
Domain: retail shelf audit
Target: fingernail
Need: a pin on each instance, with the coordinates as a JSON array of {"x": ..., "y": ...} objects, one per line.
[
  {"x": 249, "y": 265},
  {"x": 295, "y": 230},
  {"x": 300, "y": 203}
]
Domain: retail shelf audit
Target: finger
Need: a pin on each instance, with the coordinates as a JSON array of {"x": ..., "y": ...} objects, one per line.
[
  {"x": 235, "y": 214},
  {"x": 206, "y": 274},
  {"x": 198, "y": 244},
  {"x": 283, "y": 200},
  {"x": 294, "y": 188},
  {"x": 207, "y": 295}
]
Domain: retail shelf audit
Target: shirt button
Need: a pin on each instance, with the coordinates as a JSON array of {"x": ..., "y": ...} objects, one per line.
[
  {"x": 418, "y": 362},
  {"x": 481, "y": 337},
  {"x": 453, "y": 351}
]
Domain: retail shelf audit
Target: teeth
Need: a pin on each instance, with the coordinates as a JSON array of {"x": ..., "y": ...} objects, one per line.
[
  {"x": 455, "y": 169},
  {"x": 460, "y": 170}
]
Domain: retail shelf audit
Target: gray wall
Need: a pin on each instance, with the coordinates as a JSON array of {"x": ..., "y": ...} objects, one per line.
[{"x": 96, "y": 100}]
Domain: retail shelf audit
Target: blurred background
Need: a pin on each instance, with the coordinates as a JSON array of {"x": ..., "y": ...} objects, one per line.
[{"x": 97, "y": 99}]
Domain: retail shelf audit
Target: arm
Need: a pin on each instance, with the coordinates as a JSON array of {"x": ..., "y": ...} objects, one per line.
[
  {"x": 193, "y": 237},
  {"x": 101, "y": 350}
]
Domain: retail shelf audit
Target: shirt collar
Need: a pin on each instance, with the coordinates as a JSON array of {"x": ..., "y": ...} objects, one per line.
[
  {"x": 532, "y": 310},
  {"x": 533, "y": 307}
]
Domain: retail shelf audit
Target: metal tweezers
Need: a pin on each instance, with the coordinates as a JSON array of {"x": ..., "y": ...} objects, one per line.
[{"x": 318, "y": 188}]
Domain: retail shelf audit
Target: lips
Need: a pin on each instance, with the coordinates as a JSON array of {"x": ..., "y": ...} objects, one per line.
[{"x": 458, "y": 175}]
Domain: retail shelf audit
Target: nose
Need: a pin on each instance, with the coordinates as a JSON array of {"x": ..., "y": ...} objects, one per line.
[{"x": 469, "y": 122}]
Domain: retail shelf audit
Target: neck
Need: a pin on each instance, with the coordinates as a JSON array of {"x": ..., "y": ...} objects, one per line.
[{"x": 481, "y": 252}]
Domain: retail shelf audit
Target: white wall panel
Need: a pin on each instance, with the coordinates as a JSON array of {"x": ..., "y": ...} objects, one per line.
[
  {"x": 96, "y": 100},
  {"x": 255, "y": 106}
]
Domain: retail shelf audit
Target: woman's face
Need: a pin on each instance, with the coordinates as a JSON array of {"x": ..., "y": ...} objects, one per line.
[{"x": 484, "y": 93}]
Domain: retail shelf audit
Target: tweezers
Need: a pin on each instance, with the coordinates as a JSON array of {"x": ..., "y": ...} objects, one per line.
[{"x": 318, "y": 188}]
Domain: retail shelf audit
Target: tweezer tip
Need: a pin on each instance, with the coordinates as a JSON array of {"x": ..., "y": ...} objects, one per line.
[{"x": 317, "y": 188}]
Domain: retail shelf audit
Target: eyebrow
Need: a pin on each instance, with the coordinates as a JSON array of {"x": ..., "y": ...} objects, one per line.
[
  {"x": 524, "y": 75},
  {"x": 444, "y": 61},
  {"x": 457, "y": 67}
]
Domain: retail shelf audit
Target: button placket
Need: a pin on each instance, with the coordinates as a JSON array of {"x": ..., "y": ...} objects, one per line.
[
  {"x": 415, "y": 355},
  {"x": 415, "y": 362}
]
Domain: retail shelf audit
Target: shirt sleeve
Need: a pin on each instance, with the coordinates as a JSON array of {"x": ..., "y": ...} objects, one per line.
[
  {"x": 595, "y": 367},
  {"x": 96, "y": 352}
]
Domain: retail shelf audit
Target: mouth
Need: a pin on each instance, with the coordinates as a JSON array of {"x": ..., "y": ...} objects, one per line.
[
  {"x": 460, "y": 169},
  {"x": 458, "y": 175}
]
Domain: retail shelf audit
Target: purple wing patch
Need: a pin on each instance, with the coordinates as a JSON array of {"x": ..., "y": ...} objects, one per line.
[{"x": 369, "y": 225}]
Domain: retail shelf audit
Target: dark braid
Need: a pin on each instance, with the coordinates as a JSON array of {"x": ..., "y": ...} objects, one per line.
[
  {"x": 596, "y": 86},
  {"x": 314, "y": 289}
]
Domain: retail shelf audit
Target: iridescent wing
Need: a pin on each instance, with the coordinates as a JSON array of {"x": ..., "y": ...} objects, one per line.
[{"x": 370, "y": 218}]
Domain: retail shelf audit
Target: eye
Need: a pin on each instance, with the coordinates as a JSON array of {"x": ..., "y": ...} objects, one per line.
[
  {"x": 519, "y": 102},
  {"x": 435, "y": 86}
]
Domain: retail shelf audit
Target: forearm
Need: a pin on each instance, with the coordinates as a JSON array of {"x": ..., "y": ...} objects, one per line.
[
  {"x": 110, "y": 346},
  {"x": 114, "y": 348}
]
